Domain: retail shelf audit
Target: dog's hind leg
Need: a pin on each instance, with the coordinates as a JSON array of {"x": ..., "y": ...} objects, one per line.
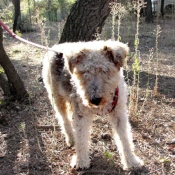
[
  {"x": 52, "y": 81},
  {"x": 63, "y": 115}
]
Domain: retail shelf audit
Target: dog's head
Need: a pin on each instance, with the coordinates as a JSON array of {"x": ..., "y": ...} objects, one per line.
[{"x": 95, "y": 70}]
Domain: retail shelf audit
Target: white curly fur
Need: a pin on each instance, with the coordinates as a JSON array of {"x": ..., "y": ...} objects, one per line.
[{"x": 89, "y": 70}]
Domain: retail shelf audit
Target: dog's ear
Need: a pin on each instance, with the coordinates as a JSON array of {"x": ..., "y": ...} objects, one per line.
[
  {"x": 75, "y": 60},
  {"x": 116, "y": 55}
]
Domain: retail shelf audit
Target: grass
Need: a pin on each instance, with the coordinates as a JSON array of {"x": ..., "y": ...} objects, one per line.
[{"x": 29, "y": 144}]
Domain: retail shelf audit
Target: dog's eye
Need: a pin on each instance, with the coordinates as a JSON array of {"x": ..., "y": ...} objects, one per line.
[
  {"x": 106, "y": 71},
  {"x": 84, "y": 72},
  {"x": 87, "y": 76}
]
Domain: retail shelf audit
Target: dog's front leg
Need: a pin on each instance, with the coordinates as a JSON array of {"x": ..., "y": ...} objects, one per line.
[
  {"x": 123, "y": 138},
  {"x": 81, "y": 126}
]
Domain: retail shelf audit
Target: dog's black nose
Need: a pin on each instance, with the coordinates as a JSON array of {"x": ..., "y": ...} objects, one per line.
[{"x": 95, "y": 101}]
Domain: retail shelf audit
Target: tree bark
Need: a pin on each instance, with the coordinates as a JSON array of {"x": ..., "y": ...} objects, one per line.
[
  {"x": 4, "y": 85},
  {"x": 86, "y": 16},
  {"x": 16, "y": 85},
  {"x": 17, "y": 15},
  {"x": 149, "y": 15}
]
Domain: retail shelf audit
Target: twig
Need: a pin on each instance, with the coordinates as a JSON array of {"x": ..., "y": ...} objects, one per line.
[
  {"x": 48, "y": 127},
  {"x": 92, "y": 171},
  {"x": 154, "y": 171}
]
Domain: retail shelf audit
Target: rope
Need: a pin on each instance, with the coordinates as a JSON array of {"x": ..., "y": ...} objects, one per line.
[{"x": 23, "y": 40}]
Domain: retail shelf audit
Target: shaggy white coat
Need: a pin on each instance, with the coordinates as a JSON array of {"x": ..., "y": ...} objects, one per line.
[{"x": 87, "y": 70}]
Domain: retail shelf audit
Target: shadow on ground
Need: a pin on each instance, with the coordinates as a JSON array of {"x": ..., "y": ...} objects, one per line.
[
  {"x": 165, "y": 84},
  {"x": 24, "y": 150}
]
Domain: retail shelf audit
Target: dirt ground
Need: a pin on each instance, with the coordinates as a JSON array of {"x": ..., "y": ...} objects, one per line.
[{"x": 30, "y": 138}]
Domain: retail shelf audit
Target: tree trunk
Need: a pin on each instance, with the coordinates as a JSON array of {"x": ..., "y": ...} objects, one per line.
[
  {"x": 162, "y": 8},
  {"x": 16, "y": 86},
  {"x": 17, "y": 15},
  {"x": 86, "y": 16},
  {"x": 149, "y": 14}
]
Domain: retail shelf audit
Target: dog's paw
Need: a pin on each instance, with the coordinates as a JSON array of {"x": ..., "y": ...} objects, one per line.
[
  {"x": 134, "y": 162},
  {"x": 69, "y": 141},
  {"x": 80, "y": 164}
]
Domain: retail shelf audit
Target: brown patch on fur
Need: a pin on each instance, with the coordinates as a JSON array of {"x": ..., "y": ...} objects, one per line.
[
  {"x": 76, "y": 60},
  {"x": 78, "y": 74},
  {"x": 103, "y": 101},
  {"x": 117, "y": 59}
]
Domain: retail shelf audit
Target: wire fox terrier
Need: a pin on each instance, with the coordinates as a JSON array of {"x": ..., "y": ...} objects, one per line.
[{"x": 85, "y": 79}]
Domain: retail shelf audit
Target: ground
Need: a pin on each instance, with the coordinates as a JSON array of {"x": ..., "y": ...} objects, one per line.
[{"x": 30, "y": 138}]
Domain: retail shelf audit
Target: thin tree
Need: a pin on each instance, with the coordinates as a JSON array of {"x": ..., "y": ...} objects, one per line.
[
  {"x": 85, "y": 18},
  {"x": 162, "y": 8},
  {"x": 17, "y": 15},
  {"x": 12, "y": 85},
  {"x": 149, "y": 14},
  {"x": 28, "y": 1}
]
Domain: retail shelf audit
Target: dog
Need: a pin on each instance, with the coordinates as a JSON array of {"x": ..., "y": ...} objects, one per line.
[{"x": 85, "y": 79}]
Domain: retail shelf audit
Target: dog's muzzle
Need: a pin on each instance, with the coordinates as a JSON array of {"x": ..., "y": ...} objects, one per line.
[{"x": 95, "y": 101}]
